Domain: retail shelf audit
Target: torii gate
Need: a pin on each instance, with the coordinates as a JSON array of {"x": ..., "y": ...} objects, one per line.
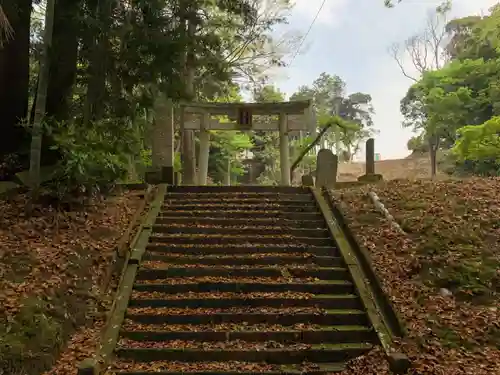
[{"x": 292, "y": 117}]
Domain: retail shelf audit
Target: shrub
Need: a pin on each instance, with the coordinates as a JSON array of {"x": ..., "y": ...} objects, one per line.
[
  {"x": 93, "y": 158},
  {"x": 477, "y": 149}
]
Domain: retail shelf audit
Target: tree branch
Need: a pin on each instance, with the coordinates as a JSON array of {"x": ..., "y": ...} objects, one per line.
[
  {"x": 394, "y": 50},
  {"x": 6, "y": 31}
]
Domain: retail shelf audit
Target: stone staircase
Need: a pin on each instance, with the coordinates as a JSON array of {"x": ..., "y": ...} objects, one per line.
[{"x": 241, "y": 280}]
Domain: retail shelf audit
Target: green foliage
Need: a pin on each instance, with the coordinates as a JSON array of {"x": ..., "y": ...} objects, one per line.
[
  {"x": 478, "y": 147},
  {"x": 418, "y": 144},
  {"x": 266, "y": 144},
  {"x": 94, "y": 158},
  {"x": 329, "y": 98},
  {"x": 466, "y": 91},
  {"x": 227, "y": 146},
  {"x": 33, "y": 330}
]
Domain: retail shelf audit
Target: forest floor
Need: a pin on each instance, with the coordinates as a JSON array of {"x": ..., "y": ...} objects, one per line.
[
  {"x": 442, "y": 275},
  {"x": 53, "y": 271}
]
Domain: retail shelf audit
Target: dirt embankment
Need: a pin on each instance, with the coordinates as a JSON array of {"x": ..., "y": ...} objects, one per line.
[
  {"x": 443, "y": 275},
  {"x": 418, "y": 167},
  {"x": 52, "y": 269}
]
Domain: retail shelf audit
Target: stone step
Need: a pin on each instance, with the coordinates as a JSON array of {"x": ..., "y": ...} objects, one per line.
[
  {"x": 246, "y": 260},
  {"x": 323, "y": 287},
  {"x": 239, "y": 189},
  {"x": 344, "y": 301},
  {"x": 256, "y": 214},
  {"x": 220, "y": 206},
  {"x": 214, "y": 249},
  {"x": 241, "y": 280},
  {"x": 225, "y": 222},
  {"x": 308, "y": 197},
  {"x": 193, "y": 239},
  {"x": 334, "y": 273},
  {"x": 224, "y": 368},
  {"x": 256, "y": 230},
  {"x": 256, "y": 200},
  {"x": 316, "y": 353},
  {"x": 333, "y": 317},
  {"x": 344, "y": 334}
]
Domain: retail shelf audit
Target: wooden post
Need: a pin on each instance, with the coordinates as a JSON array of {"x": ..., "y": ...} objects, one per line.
[
  {"x": 284, "y": 151},
  {"x": 204, "y": 149},
  {"x": 370, "y": 156}
]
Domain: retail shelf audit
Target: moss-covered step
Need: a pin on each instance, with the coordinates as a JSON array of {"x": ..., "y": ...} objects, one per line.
[
  {"x": 253, "y": 221},
  {"x": 7, "y": 186},
  {"x": 202, "y": 212},
  {"x": 301, "y": 369},
  {"x": 331, "y": 317},
  {"x": 320, "y": 287},
  {"x": 239, "y": 189},
  {"x": 257, "y": 201},
  {"x": 332, "y": 335},
  {"x": 257, "y": 248},
  {"x": 305, "y": 197},
  {"x": 222, "y": 206},
  {"x": 344, "y": 301},
  {"x": 46, "y": 174},
  {"x": 333, "y": 273},
  {"x": 339, "y": 352},
  {"x": 249, "y": 230},
  {"x": 228, "y": 260},
  {"x": 225, "y": 239}
]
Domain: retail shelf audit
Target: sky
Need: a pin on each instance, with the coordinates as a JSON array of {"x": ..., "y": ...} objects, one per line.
[{"x": 351, "y": 39}]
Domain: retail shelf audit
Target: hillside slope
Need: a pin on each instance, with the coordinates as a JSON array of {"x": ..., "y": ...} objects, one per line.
[
  {"x": 443, "y": 275},
  {"x": 411, "y": 168}
]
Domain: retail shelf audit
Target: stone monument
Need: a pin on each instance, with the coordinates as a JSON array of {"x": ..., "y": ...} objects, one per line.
[
  {"x": 370, "y": 175},
  {"x": 326, "y": 169}
]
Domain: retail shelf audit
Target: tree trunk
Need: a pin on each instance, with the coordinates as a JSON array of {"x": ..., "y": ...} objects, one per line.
[
  {"x": 98, "y": 66},
  {"x": 43, "y": 82},
  {"x": 14, "y": 76},
  {"x": 188, "y": 143},
  {"x": 433, "y": 148},
  {"x": 63, "y": 69}
]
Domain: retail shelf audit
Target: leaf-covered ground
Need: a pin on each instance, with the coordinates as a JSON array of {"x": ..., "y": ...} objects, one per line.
[
  {"x": 52, "y": 270},
  {"x": 443, "y": 275}
]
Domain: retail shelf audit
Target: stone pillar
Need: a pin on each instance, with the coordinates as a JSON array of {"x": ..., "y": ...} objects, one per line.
[
  {"x": 163, "y": 139},
  {"x": 204, "y": 149},
  {"x": 188, "y": 157},
  {"x": 326, "y": 168},
  {"x": 370, "y": 156},
  {"x": 370, "y": 175},
  {"x": 284, "y": 151}
]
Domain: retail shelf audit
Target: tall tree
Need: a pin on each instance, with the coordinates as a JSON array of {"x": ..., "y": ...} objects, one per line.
[
  {"x": 43, "y": 82},
  {"x": 463, "y": 92},
  {"x": 427, "y": 49},
  {"x": 427, "y": 52},
  {"x": 14, "y": 75},
  {"x": 329, "y": 98},
  {"x": 63, "y": 69}
]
